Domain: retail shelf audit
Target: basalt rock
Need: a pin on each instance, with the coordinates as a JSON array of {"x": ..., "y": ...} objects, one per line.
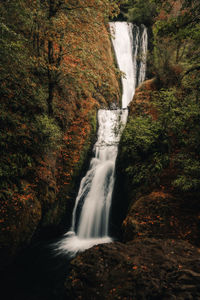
[
  {"x": 141, "y": 269},
  {"x": 161, "y": 214},
  {"x": 42, "y": 206}
]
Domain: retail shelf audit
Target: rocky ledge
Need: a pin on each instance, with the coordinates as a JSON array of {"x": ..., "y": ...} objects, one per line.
[{"x": 141, "y": 269}]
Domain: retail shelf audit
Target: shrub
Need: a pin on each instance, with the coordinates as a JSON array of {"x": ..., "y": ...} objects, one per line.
[{"x": 143, "y": 150}]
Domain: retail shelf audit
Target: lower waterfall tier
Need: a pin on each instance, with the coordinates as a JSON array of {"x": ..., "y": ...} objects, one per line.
[{"x": 90, "y": 219}]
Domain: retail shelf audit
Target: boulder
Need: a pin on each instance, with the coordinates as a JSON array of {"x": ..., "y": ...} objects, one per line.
[{"x": 141, "y": 269}]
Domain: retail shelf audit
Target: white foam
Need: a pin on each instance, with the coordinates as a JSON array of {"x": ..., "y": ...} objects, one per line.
[{"x": 71, "y": 244}]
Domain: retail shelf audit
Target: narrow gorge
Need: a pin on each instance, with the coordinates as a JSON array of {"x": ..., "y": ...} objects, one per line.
[
  {"x": 100, "y": 150},
  {"x": 90, "y": 220}
]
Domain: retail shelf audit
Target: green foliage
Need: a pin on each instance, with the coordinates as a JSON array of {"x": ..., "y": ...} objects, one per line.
[
  {"x": 189, "y": 177},
  {"x": 142, "y": 13},
  {"x": 149, "y": 146},
  {"x": 55, "y": 70},
  {"x": 20, "y": 99},
  {"x": 172, "y": 138},
  {"x": 143, "y": 150},
  {"x": 174, "y": 111},
  {"x": 48, "y": 134},
  {"x": 88, "y": 145},
  {"x": 176, "y": 43},
  {"x": 46, "y": 62},
  {"x": 176, "y": 63},
  {"x": 179, "y": 116}
]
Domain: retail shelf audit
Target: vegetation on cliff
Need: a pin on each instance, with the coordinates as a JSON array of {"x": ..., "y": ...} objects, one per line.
[
  {"x": 163, "y": 128},
  {"x": 157, "y": 188},
  {"x": 56, "y": 69},
  {"x": 159, "y": 149}
]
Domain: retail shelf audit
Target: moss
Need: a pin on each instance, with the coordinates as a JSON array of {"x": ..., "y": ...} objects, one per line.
[
  {"x": 57, "y": 207},
  {"x": 19, "y": 223},
  {"x": 52, "y": 152},
  {"x": 88, "y": 144}
]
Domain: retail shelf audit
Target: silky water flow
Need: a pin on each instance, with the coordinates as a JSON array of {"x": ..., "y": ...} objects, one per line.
[{"x": 90, "y": 219}]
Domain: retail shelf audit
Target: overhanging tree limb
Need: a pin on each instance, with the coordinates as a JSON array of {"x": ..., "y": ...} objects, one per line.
[{"x": 195, "y": 68}]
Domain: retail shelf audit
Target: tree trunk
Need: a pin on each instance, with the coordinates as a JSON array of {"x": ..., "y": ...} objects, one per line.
[{"x": 50, "y": 61}]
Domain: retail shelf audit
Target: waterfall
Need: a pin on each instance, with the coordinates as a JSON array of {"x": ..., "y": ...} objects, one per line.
[
  {"x": 130, "y": 45},
  {"x": 90, "y": 219},
  {"x": 142, "y": 54},
  {"x": 96, "y": 187},
  {"x": 126, "y": 57}
]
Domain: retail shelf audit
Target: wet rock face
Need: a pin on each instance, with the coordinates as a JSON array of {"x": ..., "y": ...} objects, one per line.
[
  {"x": 41, "y": 206},
  {"x": 143, "y": 269}
]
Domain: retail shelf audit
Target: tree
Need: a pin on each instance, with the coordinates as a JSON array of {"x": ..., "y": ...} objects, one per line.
[
  {"x": 54, "y": 74},
  {"x": 142, "y": 14}
]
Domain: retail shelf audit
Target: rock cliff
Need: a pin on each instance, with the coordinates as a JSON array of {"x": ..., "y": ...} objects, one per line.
[{"x": 47, "y": 142}]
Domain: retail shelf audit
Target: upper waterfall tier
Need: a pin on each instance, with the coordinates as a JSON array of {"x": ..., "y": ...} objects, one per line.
[{"x": 130, "y": 45}]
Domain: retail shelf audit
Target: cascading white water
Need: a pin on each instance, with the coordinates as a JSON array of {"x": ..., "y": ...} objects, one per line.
[
  {"x": 97, "y": 186},
  {"x": 142, "y": 54},
  {"x": 90, "y": 218},
  {"x": 123, "y": 46},
  {"x": 91, "y": 211},
  {"x": 130, "y": 45}
]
